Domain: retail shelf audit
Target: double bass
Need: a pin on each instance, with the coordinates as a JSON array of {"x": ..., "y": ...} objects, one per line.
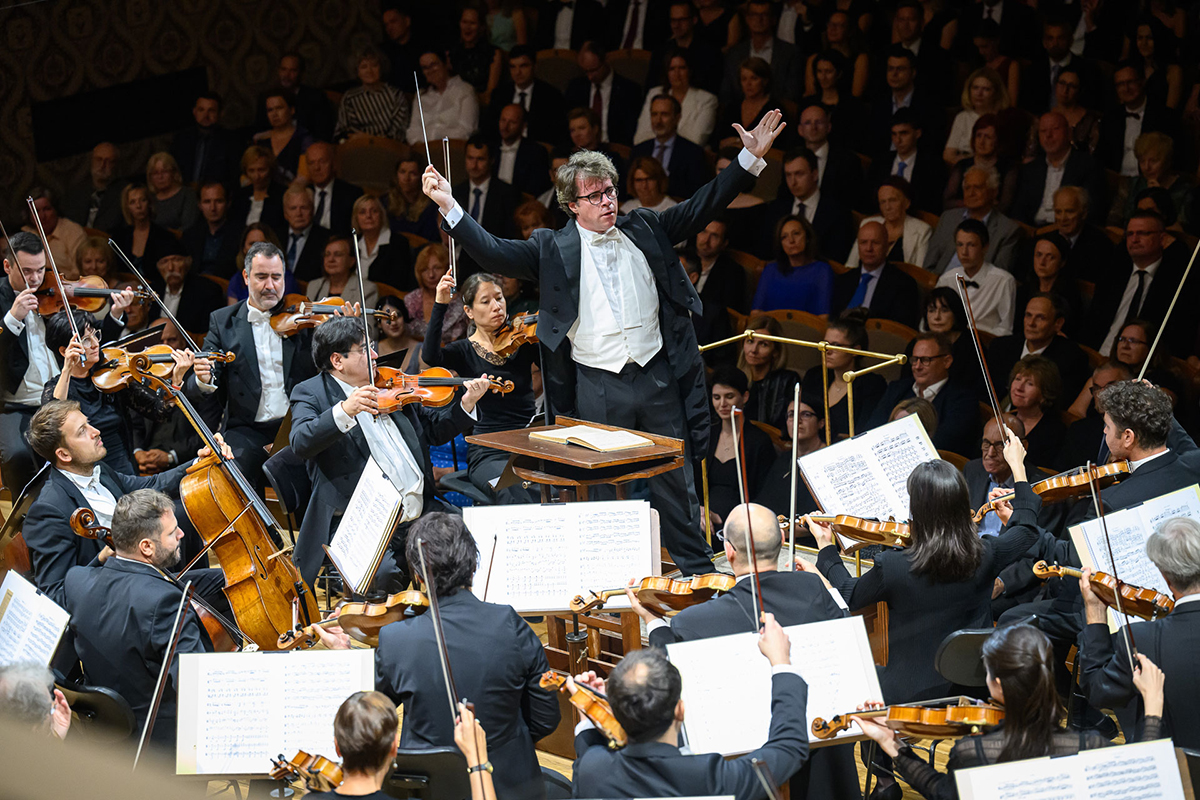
[{"x": 261, "y": 582}]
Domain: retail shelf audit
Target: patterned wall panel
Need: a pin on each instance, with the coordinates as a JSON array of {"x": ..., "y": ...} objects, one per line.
[{"x": 56, "y": 48}]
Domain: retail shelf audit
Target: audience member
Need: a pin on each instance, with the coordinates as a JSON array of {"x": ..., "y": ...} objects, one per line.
[
  {"x": 383, "y": 256},
  {"x": 1040, "y": 87},
  {"x": 907, "y": 236},
  {"x": 800, "y": 196},
  {"x": 872, "y": 282},
  {"x": 260, "y": 197},
  {"x": 1088, "y": 244},
  {"x": 213, "y": 241},
  {"x": 909, "y": 30},
  {"x": 1154, "y": 51},
  {"x": 1052, "y": 273},
  {"x": 473, "y": 58},
  {"x": 681, "y": 159},
  {"x": 286, "y": 138},
  {"x": 796, "y": 279},
  {"x": 410, "y": 210},
  {"x": 986, "y": 144},
  {"x": 313, "y": 111},
  {"x": 395, "y": 337},
  {"x": 1062, "y": 165},
  {"x": 784, "y": 59},
  {"x": 841, "y": 35},
  {"x": 697, "y": 107},
  {"x": 521, "y": 162},
  {"x": 568, "y": 25},
  {"x": 703, "y": 59},
  {"x": 490, "y": 201},
  {"x": 1085, "y": 437},
  {"x": 984, "y": 92},
  {"x": 648, "y": 183},
  {"x": 776, "y": 491},
  {"x": 987, "y": 44},
  {"x": 847, "y": 330},
  {"x": 1084, "y": 121},
  {"x": 718, "y": 24},
  {"x": 141, "y": 238},
  {"x": 543, "y": 105},
  {"x": 1131, "y": 349},
  {"x": 722, "y": 282},
  {"x": 613, "y": 98},
  {"x": 206, "y": 151},
  {"x": 758, "y": 96},
  {"x": 448, "y": 102},
  {"x": 991, "y": 290},
  {"x": 584, "y": 127},
  {"x": 373, "y": 107},
  {"x": 638, "y": 25},
  {"x": 506, "y": 24},
  {"x": 256, "y": 232},
  {"x": 332, "y": 196},
  {"x": 430, "y": 265},
  {"x": 1016, "y": 21},
  {"x": 1034, "y": 388},
  {"x": 846, "y": 112},
  {"x": 401, "y": 47},
  {"x": 339, "y": 276},
  {"x": 1135, "y": 115},
  {"x": 98, "y": 204},
  {"x": 191, "y": 297},
  {"x": 916, "y": 163},
  {"x": 305, "y": 245},
  {"x": 1156, "y": 170},
  {"x": 771, "y": 384},
  {"x": 902, "y": 92},
  {"x": 838, "y": 168},
  {"x": 175, "y": 206},
  {"x": 95, "y": 258},
  {"x": 746, "y": 222},
  {"x": 62, "y": 236},
  {"x": 979, "y": 204}
]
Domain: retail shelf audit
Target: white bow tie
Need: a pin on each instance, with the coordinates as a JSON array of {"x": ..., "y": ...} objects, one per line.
[
  {"x": 256, "y": 316},
  {"x": 610, "y": 235}
]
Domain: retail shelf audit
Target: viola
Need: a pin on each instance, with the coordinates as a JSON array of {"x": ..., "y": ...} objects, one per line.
[
  {"x": 1145, "y": 603},
  {"x": 318, "y": 773},
  {"x": 521, "y": 329},
  {"x": 662, "y": 595},
  {"x": 301, "y": 313},
  {"x": 363, "y": 621},
  {"x": 432, "y": 388},
  {"x": 590, "y": 703},
  {"x": 83, "y": 523},
  {"x": 966, "y": 718},
  {"x": 111, "y": 373},
  {"x": 889, "y": 533},
  {"x": 89, "y": 293},
  {"x": 1068, "y": 485}
]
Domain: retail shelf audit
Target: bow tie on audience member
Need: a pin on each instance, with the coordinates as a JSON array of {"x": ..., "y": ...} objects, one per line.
[
  {"x": 256, "y": 316},
  {"x": 1132, "y": 115},
  {"x": 610, "y": 235},
  {"x": 971, "y": 284}
]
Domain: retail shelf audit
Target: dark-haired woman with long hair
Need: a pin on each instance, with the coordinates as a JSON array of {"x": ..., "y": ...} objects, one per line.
[
  {"x": 482, "y": 297},
  {"x": 847, "y": 331},
  {"x": 730, "y": 390},
  {"x": 1020, "y": 678},
  {"x": 796, "y": 279}
]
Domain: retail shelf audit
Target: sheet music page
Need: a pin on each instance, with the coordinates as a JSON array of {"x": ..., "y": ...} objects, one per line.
[
  {"x": 732, "y": 717},
  {"x": 867, "y": 476},
  {"x": 237, "y": 711},
  {"x": 31, "y": 624},
  {"x": 546, "y": 555},
  {"x": 1143, "y": 771},
  {"x": 366, "y": 527}
]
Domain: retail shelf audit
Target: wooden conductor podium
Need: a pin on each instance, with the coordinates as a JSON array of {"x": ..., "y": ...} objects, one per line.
[{"x": 596, "y": 640}]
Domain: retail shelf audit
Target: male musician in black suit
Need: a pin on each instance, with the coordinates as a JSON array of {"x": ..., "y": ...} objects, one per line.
[
  {"x": 1044, "y": 317},
  {"x": 1034, "y": 203},
  {"x": 496, "y": 659},
  {"x": 1135, "y": 114},
  {"x": 683, "y": 160},
  {"x": 882, "y": 288},
  {"x": 614, "y": 319},
  {"x": 955, "y": 404},
  {"x": 333, "y": 198},
  {"x": 331, "y": 431},
  {"x": 794, "y": 597},
  {"x": 304, "y": 240},
  {"x": 584, "y": 19},
  {"x": 543, "y": 105},
  {"x": 1172, "y": 643},
  {"x": 252, "y": 391},
  {"x": 644, "y": 691},
  {"x": 206, "y": 151},
  {"x": 800, "y": 194},
  {"x": 190, "y": 297},
  {"x": 123, "y": 612},
  {"x": 616, "y": 100},
  {"x": 520, "y": 160},
  {"x": 489, "y": 201}
]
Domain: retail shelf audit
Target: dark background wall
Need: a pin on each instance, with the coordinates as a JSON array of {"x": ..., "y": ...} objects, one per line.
[{"x": 57, "y": 49}]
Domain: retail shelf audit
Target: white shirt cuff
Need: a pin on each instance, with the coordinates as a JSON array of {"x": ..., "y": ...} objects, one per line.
[
  {"x": 117, "y": 318},
  {"x": 655, "y": 624},
  {"x": 583, "y": 725},
  {"x": 207, "y": 388},
  {"x": 13, "y": 324},
  {"x": 837, "y": 598},
  {"x": 343, "y": 420},
  {"x": 751, "y": 163},
  {"x": 786, "y": 669},
  {"x": 456, "y": 214}
]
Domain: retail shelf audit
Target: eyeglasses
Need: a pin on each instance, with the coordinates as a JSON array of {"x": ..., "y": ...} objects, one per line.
[
  {"x": 925, "y": 361},
  {"x": 805, "y": 415},
  {"x": 985, "y": 445},
  {"x": 596, "y": 198},
  {"x": 1128, "y": 340}
]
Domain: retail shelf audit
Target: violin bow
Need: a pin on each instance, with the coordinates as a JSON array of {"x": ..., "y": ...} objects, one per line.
[
  {"x": 765, "y": 778},
  {"x": 1126, "y": 633},
  {"x": 366, "y": 328},
  {"x": 187, "y": 337},
  {"x": 164, "y": 671},
  {"x": 438, "y": 633},
  {"x": 1167, "y": 316},
  {"x": 987, "y": 376},
  {"x": 739, "y": 445},
  {"x": 792, "y": 475},
  {"x": 33, "y": 213},
  {"x": 453, "y": 253}
]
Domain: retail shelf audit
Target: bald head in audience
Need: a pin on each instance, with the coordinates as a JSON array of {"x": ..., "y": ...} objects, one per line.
[{"x": 872, "y": 245}]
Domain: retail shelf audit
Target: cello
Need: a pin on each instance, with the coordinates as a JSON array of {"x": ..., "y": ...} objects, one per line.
[{"x": 261, "y": 582}]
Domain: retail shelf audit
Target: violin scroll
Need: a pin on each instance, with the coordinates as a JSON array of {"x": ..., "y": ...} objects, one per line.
[{"x": 83, "y": 523}]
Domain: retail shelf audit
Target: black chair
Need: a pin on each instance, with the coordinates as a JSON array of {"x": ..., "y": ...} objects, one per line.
[
  {"x": 458, "y": 481},
  {"x": 439, "y": 773},
  {"x": 1193, "y": 763},
  {"x": 959, "y": 657},
  {"x": 103, "y": 714},
  {"x": 557, "y": 785},
  {"x": 287, "y": 475}
]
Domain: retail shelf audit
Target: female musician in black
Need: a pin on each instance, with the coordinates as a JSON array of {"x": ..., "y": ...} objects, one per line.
[
  {"x": 1020, "y": 678},
  {"x": 482, "y": 297}
]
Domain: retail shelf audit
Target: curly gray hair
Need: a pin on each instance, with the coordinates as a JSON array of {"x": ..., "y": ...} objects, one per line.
[
  {"x": 584, "y": 164},
  {"x": 25, "y": 692}
]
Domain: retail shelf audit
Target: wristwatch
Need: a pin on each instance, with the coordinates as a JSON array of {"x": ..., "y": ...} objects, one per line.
[{"x": 484, "y": 767}]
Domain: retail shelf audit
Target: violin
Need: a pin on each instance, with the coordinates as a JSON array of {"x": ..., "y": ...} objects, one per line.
[
  {"x": 1147, "y": 604},
  {"x": 432, "y": 388},
  {"x": 1067, "y": 485},
  {"x": 83, "y": 523},
  {"x": 521, "y": 329},
  {"x": 363, "y": 621},
  {"x": 318, "y": 773},
  {"x": 301, "y": 313},
  {"x": 889, "y": 533},
  {"x": 111, "y": 373},
  {"x": 663, "y": 596},
  {"x": 966, "y": 718},
  {"x": 590, "y": 704},
  {"x": 89, "y": 293}
]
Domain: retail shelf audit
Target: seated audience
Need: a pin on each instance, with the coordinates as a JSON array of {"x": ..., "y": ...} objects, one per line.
[
  {"x": 801, "y": 197},
  {"x": 613, "y": 98},
  {"x": 757, "y": 95},
  {"x": 395, "y": 337},
  {"x": 784, "y": 59},
  {"x": 846, "y": 112},
  {"x": 987, "y": 45},
  {"x": 521, "y": 160},
  {"x": 428, "y": 268},
  {"x": 881, "y": 288},
  {"x": 1085, "y": 437},
  {"x": 991, "y": 290},
  {"x": 984, "y": 92},
  {"x": 314, "y": 112},
  {"x": 698, "y": 108},
  {"x": 916, "y": 407},
  {"x": 287, "y": 138},
  {"x": 410, "y": 210},
  {"x": 449, "y": 102},
  {"x": 985, "y": 144},
  {"x": 776, "y": 490},
  {"x": 796, "y": 279},
  {"x": 771, "y": 384},
  {"x": 980, "y": 188},
  {"x": 340, "y": 278},
  {"x": 1154, "y": 52},
  {"x": 682, "y": 159},
  {"x": 648, "y": 183},
  {"x": 175, "y": 206},
  {"x": 255, "y": 233},
  {"x": 259, "y": 198},
  {"x": 1059, "y": 164},
  {"x": 141, "y": 238},
  {"x": 1034, "y": 388},
  {"x": 541, "y": 103},
  {"x": 730, "y": 390},
  {"x": 839, "y": 170},
  {"x": 212, "y": 242},
  {"x": 97, "y": 204},
  {"x": 1053, "y": 273},
  {"x": 190, "y": 296},
  {"x": 912, "y": 160},
  {"x": 1084, "y": 122},
  {"x": 722, "y": 281},
  {"x": 373, "y": 107},
  {"x": 304, "y": 238},
  {"x": 583, "y": 125},
  {"x": 1062, "y": 52},
  {"x": 902, "y": 92},
  {"x": 703, "y": 58},
  {"x": 1136, "y": 114},
  {"x": 473, "y": 57},
  {"x": 1156, "y": 169},
  {"x": 489, "y": 201},
  {"x": 383, "y": 256},
  {"x": 1131, "y": 349},
  {"x": 1040, "y": 335},
  {"x": 907, "y": 236},
  {"x": 63, "y": 236},
  {"x": 841, "y": 35},
  {"x": 333, "y": 198},
  {"x": 744, "y": 213},
  {"x": 206, "y": 152}
]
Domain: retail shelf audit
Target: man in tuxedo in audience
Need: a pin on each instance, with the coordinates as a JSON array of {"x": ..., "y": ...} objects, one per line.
[
  {"x": 955, "y": 404},
  {"x": 705, "y": 60},
  {"x": 637, "y": 24},
  {"x": 683, "y": 160},
  {"x": 490, "y": 201},
  {"x": 1041, "y": 335},
  {"x": 902, "y": 92},
  {"x": 251, "y": 392},
  {"x": 520, "y": 161},
  {"x": 568, "y": 24},
  {"x": 801, "y": 195},
  {"x": 333, "y": 197},
  {"x": 206, "y": 151},
  {"x": 615, "y": 100},
  {"x": 1061, "y": 165},
  {"x": 304, "y": 247},
  {"x": 213, "y": 242},
  {"x": 838, "y": 168},
  {"x": 787, "y": 63},
  {"x": 98, "y": 204},
  {"x": 1039, "y": 78},
  {"x": 911, "y": 159},
  {"x": 980, "y": 186},
  {"x": 542, "y": 103},
  {"x": 875, "y": 284},
  {"x": 190, "y": 297},
  {"x": 1135, "y": 114}
]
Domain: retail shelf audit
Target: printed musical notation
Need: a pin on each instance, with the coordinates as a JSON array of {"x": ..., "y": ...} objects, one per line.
[{"x": 31, "y": 624}]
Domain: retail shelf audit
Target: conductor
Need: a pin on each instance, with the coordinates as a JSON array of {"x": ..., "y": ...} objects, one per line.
[{"x": 614, "y": 313}]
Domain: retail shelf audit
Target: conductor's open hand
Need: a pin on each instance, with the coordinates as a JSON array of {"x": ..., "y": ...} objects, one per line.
[
  {"x": 759, "y": 140},
  {"x": 437, "y": 189},
  {"x": 364, "y": 398},
  {"x": 475, "y": 389}
]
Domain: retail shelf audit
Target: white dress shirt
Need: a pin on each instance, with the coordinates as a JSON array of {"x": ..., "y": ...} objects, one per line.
[
  {"x": 562, "y": 26},
  {"x": 42, "y": 364},
  {"x": 508, "y": 161},
  {"x": 1133, "y": 129},
  {"x": 810, "y": 205},
  {"x": 822, "y": 154},
  {"x": 1134, "y": 466},
  {"x": 367, "y": 257},
  {"x": 301, "y": 238},
  {"x": 697, "y": 116},
  {"x": 171, "y": 299},
  {"x": 255, "y": 212},
  {"x": 268, "y": 350},
  {"x": 909, "y": 163},
  {"x": 765, "y": 52},
  {"x": 931, "y": 391},
  {"x": 325, "y": 220},
  {"x": 661, "y": 152},
  {"x": 95, "y": 493},
  {"x": 1124, "y": 310},
  {"x": 873, "y": 284},
  {"x": 453, "y": 112},
  {"x": 640, "y": 7},
  {"x": 997, "y": 10},
  {"x": 1054, "y": 178},
  {"x": 786, "y": 30},
  {"x": 993, "y": 301},
  {"x": 483, "y": 195}
]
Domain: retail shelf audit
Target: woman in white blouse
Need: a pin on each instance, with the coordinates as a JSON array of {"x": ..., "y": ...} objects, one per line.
[
  {"x": 699, "y": 113},
  {"x": 983, "y": 93},
  {"x": 648, "y": 184},
  {"x": 382, "y": 258},
  {"x": 908, "y": 237}
]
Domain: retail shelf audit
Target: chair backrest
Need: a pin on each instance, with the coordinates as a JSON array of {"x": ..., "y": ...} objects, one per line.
[
  {"x": 439, "y": 773},
  {"x": 287, "y": 475},
  {"x": 752, "y": 268},
  {"x": 623, "y": 150},
  {"x": 1094, "y": 357},
  {"x": 631, "y": 64},
  {"x": 775, "y": 434},
  {"x": 557, "y": 67},
  {"x": 370, "y": 161},
  {"x": 103, "y": 714},
  {"x": 926, "y": 280},
  {"x": 415, "y": 240},
  {"x": 805, "y": 327},
  {"x": 888, "y": 336},
  {"x": 928, "y": 216},
  {"x": 219, "y": 281},
  {"x": 959, "y": 657},
  {"x": 1115, "y": 233},
  {"x": 388, "y": 291},
  {"x": 558, "y": 786},
  {"x": 957, "y": 460}
]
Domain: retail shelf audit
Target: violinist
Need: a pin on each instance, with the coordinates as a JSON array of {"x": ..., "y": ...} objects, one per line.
[
  {"x": 332, "y": 430},
  {"x": 644, "y": 691},
  {"x": 123, "y": 611},
  {"x": 252, "y": 392},
  {"x": 366, "y": 734},
  {"x": 484, "y": 304},
  {"x": 1020, "y": 677},
  {"x": 497, "y": 660},
  {"x": 795, "y": 598},
  {"x": 1173, "y": 642}
]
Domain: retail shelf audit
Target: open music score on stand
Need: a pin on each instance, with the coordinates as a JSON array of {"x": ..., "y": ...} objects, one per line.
[
  {"x": 31, "y": 624},
  {"x": 366, "y": 528}
]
